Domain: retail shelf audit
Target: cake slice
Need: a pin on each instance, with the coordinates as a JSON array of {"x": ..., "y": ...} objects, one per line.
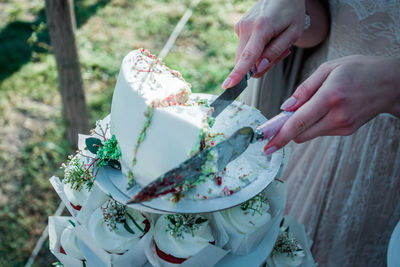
[{"x": 155, "y": 123}]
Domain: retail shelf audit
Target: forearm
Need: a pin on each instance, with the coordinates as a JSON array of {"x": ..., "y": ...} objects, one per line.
[{"x": 319, "y": 28}]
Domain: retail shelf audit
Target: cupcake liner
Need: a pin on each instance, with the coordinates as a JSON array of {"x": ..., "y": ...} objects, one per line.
[
  {"x": 135, "y": 256},
  {"x": 255, "y": 257},
  {"x": 243, "y": 244},
  {"x": 207, "y": 257},
  {"x": 58, "y": 185},
  {"x": 59, "y": 188},
  {"x": 57, "y": 224},
  {"x": 96, "y": 198}
]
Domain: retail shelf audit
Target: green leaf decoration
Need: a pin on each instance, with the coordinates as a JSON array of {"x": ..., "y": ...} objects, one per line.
[
  {"x": 114, "y": 164},
  {"x": 84, "y": 263},
  {"x": 71, "y": 222},
  {"x": 210, "y": 121},
  {"x": 200, "y": 220},
  {"x": 128, "y": 228},
  {"x": 282, "y": 222},
  {"x": 135, "y": 223},
  {"x": 77, "y": 173},
  {"x": 93, "y": 144}
]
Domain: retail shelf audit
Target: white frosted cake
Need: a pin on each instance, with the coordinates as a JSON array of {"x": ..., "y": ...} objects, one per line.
[
  {"x": 153, "y": 127},
  {"x": 156, "y": 126}
]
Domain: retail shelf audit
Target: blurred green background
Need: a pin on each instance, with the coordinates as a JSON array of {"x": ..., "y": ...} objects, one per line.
[{"x": 32, "y": 131}]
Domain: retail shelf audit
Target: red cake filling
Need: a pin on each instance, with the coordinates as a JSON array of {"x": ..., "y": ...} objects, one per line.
[
  {"x": 146, "y": 227},
  {"x": 77, "y": 207},
  {"x": 62, "y": 250},
  {"x": 170, "y": 258}
]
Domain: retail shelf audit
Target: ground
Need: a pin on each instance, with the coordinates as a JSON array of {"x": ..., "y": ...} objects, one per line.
[{"x": 32, "y": 131}]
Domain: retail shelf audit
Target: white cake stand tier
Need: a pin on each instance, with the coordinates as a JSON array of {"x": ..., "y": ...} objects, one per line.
[{"x": 244, "y": 177}]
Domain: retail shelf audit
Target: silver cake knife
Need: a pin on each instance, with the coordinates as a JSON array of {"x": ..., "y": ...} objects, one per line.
[
  {"x": 217, "y": 157},
  {"x": 229, "y": 95}
]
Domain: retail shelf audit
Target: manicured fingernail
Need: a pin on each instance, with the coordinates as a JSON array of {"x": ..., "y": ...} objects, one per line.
[
  {"x": 288, "y": 103},
  {"x": 263, "y": 65},
  {"x": 270, "y": 150},
  {"x": 254, "y": 69},
  {"x": 226, "y": 83}
]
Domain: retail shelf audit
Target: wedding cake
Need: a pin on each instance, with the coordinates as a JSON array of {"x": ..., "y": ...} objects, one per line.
[
  {"x": 154, "y": 126},
  {"x": 152, "y": 118}
]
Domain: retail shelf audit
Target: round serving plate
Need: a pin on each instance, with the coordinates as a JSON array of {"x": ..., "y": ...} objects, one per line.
[{"x": 243, "y": 178}]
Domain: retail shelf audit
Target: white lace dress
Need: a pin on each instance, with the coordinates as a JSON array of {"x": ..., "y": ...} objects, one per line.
[{"x": 347, "y": 189}]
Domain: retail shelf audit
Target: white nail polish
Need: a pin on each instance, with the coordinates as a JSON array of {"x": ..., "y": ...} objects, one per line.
[
  {"x": 288, "y": 103},
  {"x": 263, "y": 65},
  {"x": 226, "y": 83},
  {"x": 270, "y": 150}
]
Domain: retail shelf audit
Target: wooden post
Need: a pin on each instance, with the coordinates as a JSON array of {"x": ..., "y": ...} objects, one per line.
[{"x": 61, "y": 28}]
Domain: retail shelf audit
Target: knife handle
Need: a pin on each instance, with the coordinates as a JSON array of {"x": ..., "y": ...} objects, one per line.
[{"x": 272, "y": 126}]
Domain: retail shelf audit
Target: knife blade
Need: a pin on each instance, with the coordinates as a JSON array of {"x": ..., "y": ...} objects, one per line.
[
  {"x": 229, "y": 95},
  {"x": 188, "y": 172},
  {"x": 217, "y": 156}
]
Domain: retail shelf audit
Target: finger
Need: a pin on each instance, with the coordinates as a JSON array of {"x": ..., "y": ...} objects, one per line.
[
  {"x": 263, "y": 68},
  {"x": 307, "y": 88},
  {"x": 242, "y": 44},
  {"x": 306, "y": 116},
  {"x": 248, "y": 57},
  {"x": 327, "y": 127},
  {"x": 321, "y": 128},
  {"x": 281, "y": 43}
]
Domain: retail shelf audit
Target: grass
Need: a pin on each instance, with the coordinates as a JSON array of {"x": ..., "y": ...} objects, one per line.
[{"x": 32, "y": 143}]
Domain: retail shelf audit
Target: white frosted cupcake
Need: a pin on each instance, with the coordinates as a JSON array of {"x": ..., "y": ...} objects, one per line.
[
  {"x": 69, "y": 244},
  {"x": 77, "y": 198},
  {"x": 78, "y": 180},
  {"x": 249, "y": 216},
  {"x": 178, "y": 237},
  {"x": 287, "y": 251},
  {"x": 116, "y": 227}
]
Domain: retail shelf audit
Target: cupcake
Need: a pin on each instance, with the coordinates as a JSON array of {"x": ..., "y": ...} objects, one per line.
[
  {"x": 287, "y": 251},
  {"x": 69, "y": 244},
  {"x": 76, "y": 198},
  {"x": 116, "y": 227},
  {"x": 179, "y": 236},
  {"x": 249, "y": 216},
  {"x": 78, "y": 180}
]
